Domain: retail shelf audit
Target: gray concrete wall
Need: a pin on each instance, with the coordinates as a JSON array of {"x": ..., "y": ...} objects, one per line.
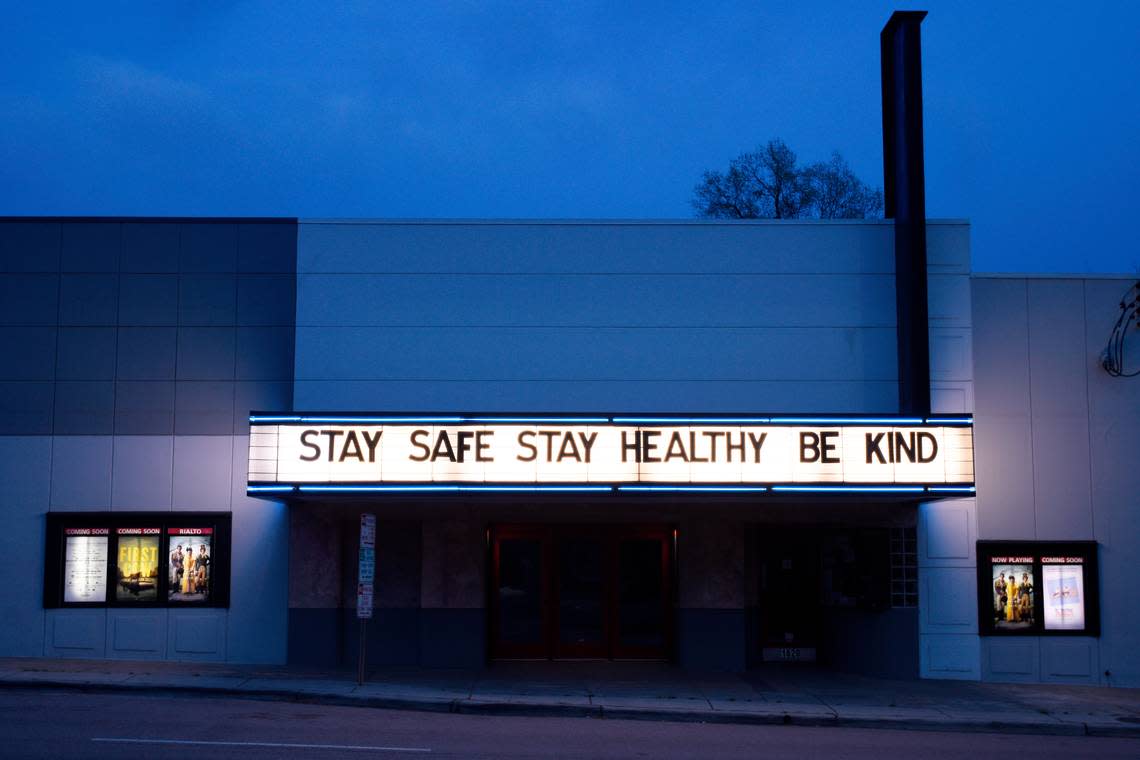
[
  {"x": 133, "y": 352},
  {"x": 1056, "y": 459},
  {"x": 584, "y": 316}
]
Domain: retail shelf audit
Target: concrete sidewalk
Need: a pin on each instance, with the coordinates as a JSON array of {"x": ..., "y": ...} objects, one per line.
[{"x": 797, "y": 695}]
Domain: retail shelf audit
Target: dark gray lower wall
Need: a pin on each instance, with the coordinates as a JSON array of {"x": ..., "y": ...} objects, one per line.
[
  {"x": 712, "y": 639},
  {"x": 391, "y": 637},
  {"x": 434, "y": 638},
  {"x": 453, "y": 638},
  {"x": 883, "y": 644},
  {"x": 315, "y": 637}
]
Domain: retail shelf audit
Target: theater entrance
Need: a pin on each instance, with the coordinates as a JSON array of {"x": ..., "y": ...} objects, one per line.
[{"x": 581, "y": 592}]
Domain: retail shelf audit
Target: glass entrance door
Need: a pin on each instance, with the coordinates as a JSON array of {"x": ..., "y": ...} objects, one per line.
[
  {"x": 582, "y": 589},
  {"x": 789, "y": 595},
  {"x": 578, "y": 592},
  {"x": 643, "y": 606},
  {"x": 520, "y": 593}
]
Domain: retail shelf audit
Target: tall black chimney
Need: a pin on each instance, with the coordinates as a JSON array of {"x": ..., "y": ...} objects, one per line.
[{"x": 904, "y": 185}]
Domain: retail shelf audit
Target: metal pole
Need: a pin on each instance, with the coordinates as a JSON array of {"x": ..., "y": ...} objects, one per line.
[{"x": 360, "y": 657}]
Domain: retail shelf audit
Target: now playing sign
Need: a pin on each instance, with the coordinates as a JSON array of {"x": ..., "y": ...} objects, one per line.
[{"x": 304, "y": 449}]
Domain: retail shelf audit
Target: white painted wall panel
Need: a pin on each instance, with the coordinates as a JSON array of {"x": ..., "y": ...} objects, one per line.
[
  {"x": 1013, "y": 659},
  {"x": 136, "y": 634},
  {"x": 1003, "y": 444},
  {"x": 1040, "y": 389},
  {"x": 1114, "y": 419},
  {"x": 143, "y": 469},
  {"x": 948, "y": 297},
  {"x": 951, "y": 358},
  {"x": 597, "y": 300},
  {"x": 259, "y": 604},
  {"x": 25, "y": 486},
  {"x": 948, "y": 598},
  {"x": 1069, "y": 660},
  {"x": 196, "y": 635},
  {"x": 948, "y": 247},
  {"x": 607, "y": 247},
  {"x": 1058, "y": 389},
  {"x": 950, "y": 318},
  {"x": 951, "y": 398},
  {"x": 81, "y": 472},
  {"x": 680, "y": 396},
  {"x": 586, "y": 316},
  {"x": 76, "y": 633},
  {"x": 522, "y": 353},
  {"x": 947, "y": 533},
  {"x": 949, "y": 656},
  {"x": 202, "y": 474}
]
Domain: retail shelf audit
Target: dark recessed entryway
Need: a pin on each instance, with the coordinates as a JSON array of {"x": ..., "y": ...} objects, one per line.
[{"x": 581, "y": 592}]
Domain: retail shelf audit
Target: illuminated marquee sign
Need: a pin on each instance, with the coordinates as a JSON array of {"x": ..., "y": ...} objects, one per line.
[{"x": 324, "y": 453}]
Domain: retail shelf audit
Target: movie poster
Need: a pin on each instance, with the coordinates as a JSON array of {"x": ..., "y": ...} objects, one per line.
[
  {"x": 1012, "y": 582},
  {"x": 188, "y": 564},
  {"x": 85, "y": 565},
  {"x": 1064, "y": 594},
  {"x": 137, "y": 577}
]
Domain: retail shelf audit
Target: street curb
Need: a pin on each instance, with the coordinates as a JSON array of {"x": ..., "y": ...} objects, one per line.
[{"x": 600, "y": 712}]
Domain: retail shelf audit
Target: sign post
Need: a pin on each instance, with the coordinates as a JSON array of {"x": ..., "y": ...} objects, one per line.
[{"x": 366, "y": 576}]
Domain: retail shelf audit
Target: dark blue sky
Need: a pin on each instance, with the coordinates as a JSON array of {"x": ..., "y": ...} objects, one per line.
[{"x": 577, "y": 109}]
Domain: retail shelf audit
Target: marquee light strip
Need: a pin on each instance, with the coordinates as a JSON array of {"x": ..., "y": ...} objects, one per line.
[
  {"x": 451, "y": 489},
  {"x": 849, "y": 489},
  {"x": 706, "y": 420},
  {"x": 413, "y": 488},
  {"x": 694, "y": 489}
]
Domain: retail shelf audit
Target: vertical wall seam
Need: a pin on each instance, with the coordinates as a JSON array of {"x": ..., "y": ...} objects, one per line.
[
  {"x": 58, "y": 321},
  {"x": 1088, "y": 405},
  {"x": 174, "y": 410},
  {"x": 54, "y": 381},
  {"x": 115, "y": 373},
  {"x": 233, "y": 364},
  {"x": 1029, "y": 393}
]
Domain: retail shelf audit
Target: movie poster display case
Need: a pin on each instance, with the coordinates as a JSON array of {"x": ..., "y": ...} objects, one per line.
[
  {"x": 1038, "y": 588},
  {"x": 137, "y": 559}
]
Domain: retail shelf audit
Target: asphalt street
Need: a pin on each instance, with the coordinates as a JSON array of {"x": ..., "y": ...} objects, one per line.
[{"x": 58, "y": 724}]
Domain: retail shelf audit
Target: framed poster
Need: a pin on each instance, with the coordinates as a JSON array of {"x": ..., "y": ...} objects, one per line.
[
  {"x": 1037, "y": 588},
  {"x": 1064, "y": 593},
  {"x": 136, "y": 564},
  {"x": 1013, "y": 579},
  {"x": 85, "y": 565},
  {"x": 189, "y": 556},
  {"x": 137, "y": 559}
]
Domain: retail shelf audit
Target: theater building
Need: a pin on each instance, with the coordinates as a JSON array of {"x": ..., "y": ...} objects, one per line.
[
  {"x": 605, "y": 440},
  {"x": 708, "y": 443}
]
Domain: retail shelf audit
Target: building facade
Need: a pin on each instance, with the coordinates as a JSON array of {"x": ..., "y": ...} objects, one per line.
[{"x": 137, "y": 350}]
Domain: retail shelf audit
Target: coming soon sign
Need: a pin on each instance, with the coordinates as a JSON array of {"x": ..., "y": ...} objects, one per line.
[{"x": 314, "y": 449}]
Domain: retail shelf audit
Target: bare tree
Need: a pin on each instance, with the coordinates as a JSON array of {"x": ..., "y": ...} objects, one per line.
[
  {"x": 768, "y": 184},
  {"x": 837, "y": 193}
]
